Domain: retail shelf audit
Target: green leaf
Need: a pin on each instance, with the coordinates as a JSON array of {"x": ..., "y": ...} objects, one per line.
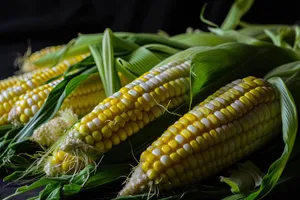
[
  {"x": 104, "y": 57},
  {"x": 51, "y": 191},
  {"x": 202, "y": 18},
  {"x": 35, "y": 185},
  {"x": 9, "y": 135},
  {"x": 5, "y": 128},
  {"x": 238, "y": 37},
  {"x": 227, "y": 62},
  {"x": 161, "y": 51},
  {"x": 138, "y": 62},
  {"x": 76, "y": 47},
  {"x": 296, "y": 45},
  {"x": 208, "y": 65},
  {"x": 112, "y": 81},
  {"x": 81, "y": 45},
  {"x": 284, "y": 71},
  {"x": 289, "y": 131},
  {"x": 257, "y": 31},
  {"x": 202, "y": 39},
  {"x": 71, "y": 189},
  {"x": 55, "y": 194},
  {"x": 244, "y": 179},
  {"x": 148, "y": 38},
  {"x": 238, "y": 9},
  {"x": 106, "y": 174},
  {"x": 278, "y": 39}
]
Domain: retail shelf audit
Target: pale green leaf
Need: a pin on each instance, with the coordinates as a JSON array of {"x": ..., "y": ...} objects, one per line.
[
  {"x": 243, "y": 179},
  {"x": 284, "y": 71},
  {"x": 238, "y": 9},
  {"x": 202, "y": 39}
]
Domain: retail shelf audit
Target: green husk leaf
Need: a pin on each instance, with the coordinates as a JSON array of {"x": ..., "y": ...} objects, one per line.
[
  {"x": 258, "y": 31},
  {"x": 147, "y": 38},
  {"x": 68, "y": 185},
  {"x": 202, "y": 39},
  {"x": 236, "y": 35},
  {"x": 76, "y": 47},
  {"x": 105, "y": 59},
  {"x": 52, "y": 191},
  {"x": 55, "y": 56},
  {"x": 9, "y": 135},
  {"x": 161, "y": 51},
  {"x": 244, "y": 179},
  {"x": 37, "y": 184},
  {"x": 84, "y": 64},
  {"x": 112, "y": 81},
  {"x": 5, "y": 128},
  {"x": 202, "y": 18},
  {"x": 238, "y": 9},
  {"x": 81, "y": 45},
  {"x": 106, "y": 174},
  {"x": 236, "y": 60},
  {"x": 284, "y": 71},
  {"x": 137, "y": 63},
  {"x": 278, "y": 39},
  {"x": 289, "y": 131},
  {"x": 296, "y": 45},
  {"x": 71, "y": 189}
]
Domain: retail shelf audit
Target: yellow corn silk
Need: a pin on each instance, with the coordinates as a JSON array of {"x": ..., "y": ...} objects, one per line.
[
  {"x": 227, "y": 126},
  {"x": 28, "y": 62},
  {"x": 123, "y": 114},
  {"x": 9, "y": 96}
]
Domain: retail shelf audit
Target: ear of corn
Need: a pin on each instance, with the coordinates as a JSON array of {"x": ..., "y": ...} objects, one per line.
[
  {"x": 9, "y": 96},
  {"x": 13, "y": 80},
  {"x": 227, "y": 126},
  {"x": 28, "y": 62},
  {"x": 124, "y": 114},
  {"x": 82, "y": 100}
]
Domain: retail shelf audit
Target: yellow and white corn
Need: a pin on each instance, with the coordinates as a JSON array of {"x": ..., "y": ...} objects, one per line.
[
  {"x": 9, "y": 96},
  {"x": 82, "y": 100},
  {"x": 124, "y": 114},
  {"x": 229, "y": 125},
  {"x": 13, "y": 80}
]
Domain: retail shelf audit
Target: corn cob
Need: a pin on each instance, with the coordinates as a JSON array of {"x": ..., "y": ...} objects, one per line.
[
  {"x": 28, "y": 61},
  {"x": 227, "y": 126},
  {"x": 9, "y": 96},
  {"x": 123, "y": 114},
  {"x": 82, "y": 100}
]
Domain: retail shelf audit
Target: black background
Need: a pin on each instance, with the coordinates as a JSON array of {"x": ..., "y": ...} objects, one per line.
[{"x": 42, "y": 23}]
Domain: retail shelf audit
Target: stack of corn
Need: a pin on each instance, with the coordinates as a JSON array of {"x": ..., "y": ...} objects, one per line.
[{"x": 28, "y": 82}]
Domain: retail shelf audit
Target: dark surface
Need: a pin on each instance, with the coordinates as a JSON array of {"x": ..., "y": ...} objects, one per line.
[{"x": 46, "y": 23}]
